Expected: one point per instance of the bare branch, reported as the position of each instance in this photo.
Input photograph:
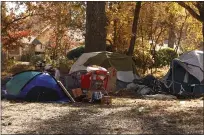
(190, 10)
(109, 42)
(18, 19)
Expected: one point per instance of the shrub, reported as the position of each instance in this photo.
(164, 57)
(19, 68)
(48, 59)
(35, 59)
(7, 64)
(26, 57)
(143, 61)
(65, 65)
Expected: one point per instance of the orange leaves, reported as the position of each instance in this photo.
(14, 37)
(19, 34)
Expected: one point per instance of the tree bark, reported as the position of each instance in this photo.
(180, 34)
(172, 37)
(201, 11)
(203, 35)
(115, 35)
(96, 22)
(134, 28)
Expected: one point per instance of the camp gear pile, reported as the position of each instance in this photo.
(94, 75)
(184, 78)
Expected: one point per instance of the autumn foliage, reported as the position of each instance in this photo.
(179, 23)
(12, 40)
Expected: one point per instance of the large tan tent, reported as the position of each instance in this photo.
(126, 69)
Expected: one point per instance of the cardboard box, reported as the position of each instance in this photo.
(106, 100)
(111, 86)
(77, 92)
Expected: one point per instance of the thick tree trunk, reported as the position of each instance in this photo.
(134, 28)
(95, 39)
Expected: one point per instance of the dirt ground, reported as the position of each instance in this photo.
(124, 116)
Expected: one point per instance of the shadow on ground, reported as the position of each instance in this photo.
(97, 119)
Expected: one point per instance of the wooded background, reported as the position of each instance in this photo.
(132, 28)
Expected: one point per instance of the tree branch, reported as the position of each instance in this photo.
(190, 10)
(18, 19)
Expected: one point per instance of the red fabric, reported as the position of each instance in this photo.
(86, 79)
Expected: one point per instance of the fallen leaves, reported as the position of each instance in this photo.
(124, 116)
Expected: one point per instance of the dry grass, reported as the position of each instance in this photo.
(124, 116)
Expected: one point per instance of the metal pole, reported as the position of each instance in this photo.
(66, 91)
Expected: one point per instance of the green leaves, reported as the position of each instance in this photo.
(164, 57)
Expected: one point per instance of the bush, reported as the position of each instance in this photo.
(7, 64)
(164, 57)
(143, 61)
(35, 59)
(19, 68)
(48, 59)
(65, 65)
(26, 57)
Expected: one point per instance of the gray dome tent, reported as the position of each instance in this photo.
(186, 74)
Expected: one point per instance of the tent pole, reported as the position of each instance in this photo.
(65, 90)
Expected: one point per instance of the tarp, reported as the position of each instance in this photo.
(126, 69)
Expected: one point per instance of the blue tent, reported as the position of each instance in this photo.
(35, 86)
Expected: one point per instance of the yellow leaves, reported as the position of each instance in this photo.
(175, 9)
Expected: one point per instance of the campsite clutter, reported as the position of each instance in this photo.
(95, 76)
(184, 78)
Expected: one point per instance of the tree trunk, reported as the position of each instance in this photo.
(201, 11)
(115, 35)
(203, 34)
(134, 28)
(172, 37)
(95, 39)
(180, 34)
